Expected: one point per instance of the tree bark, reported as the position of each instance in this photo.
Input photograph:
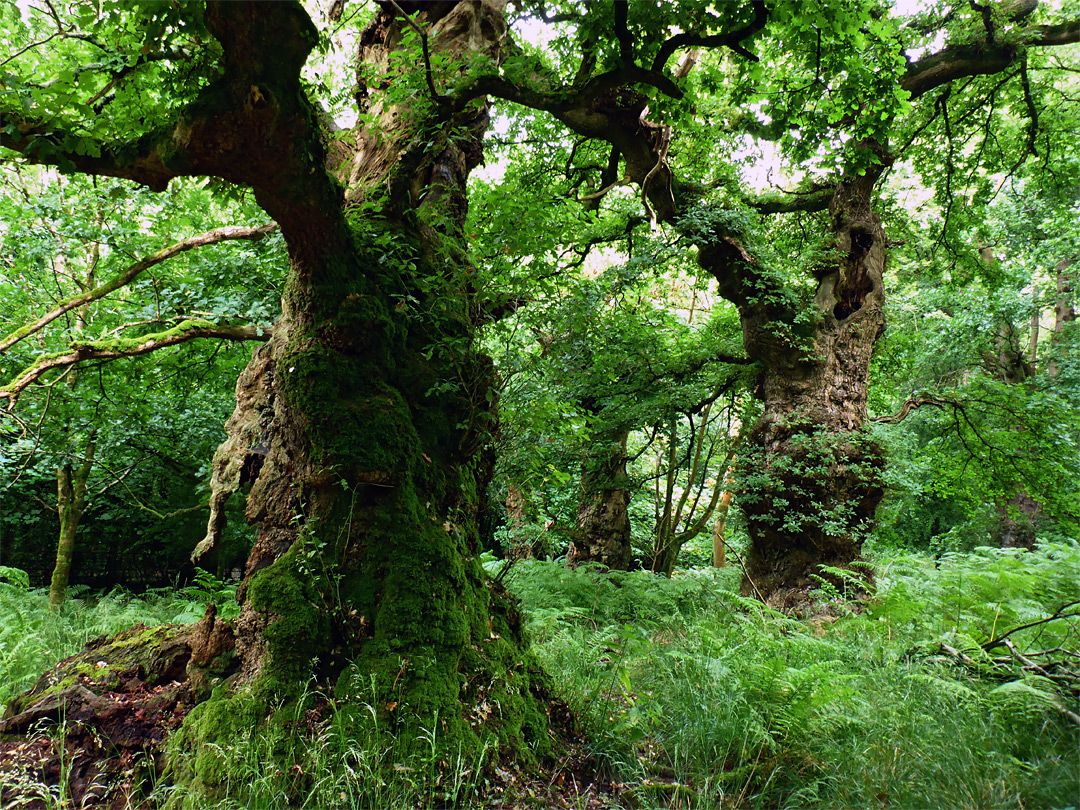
(602, 533)
(719, 534)
(809, 477)
(363, 426)
(516, 513)
(70, 506)
(1064, 311)
(362, 429)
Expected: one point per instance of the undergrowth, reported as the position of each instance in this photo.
(321, 757)
(697, 697)
(33, 637)
(694, 697)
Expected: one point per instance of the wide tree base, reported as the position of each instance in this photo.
(798, 581)
(801, 588)
(114, 727)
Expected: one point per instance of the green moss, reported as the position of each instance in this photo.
(355, 421)
(199, 751)
(383, 589)
(203, 751)
(153, 655)
(298, 629)
(446, 645)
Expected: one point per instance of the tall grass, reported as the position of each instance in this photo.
(33, 637)
(341, 761)
(692, 696)
(699, 698)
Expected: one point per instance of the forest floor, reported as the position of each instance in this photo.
(92, 735)
(93, 732)
(105, 750)
(678, 694)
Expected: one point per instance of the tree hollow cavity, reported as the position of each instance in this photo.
(856, 283)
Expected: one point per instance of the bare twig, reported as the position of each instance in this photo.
(742, 565)
(1058, 614)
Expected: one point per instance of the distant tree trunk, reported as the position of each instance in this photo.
(71, 483)
(809, 476)
(602, 533)
(1008, 363)
(1064, 311)
(1033, 340)
(1018, 521)
(70, 505)
(719, 536)
(517, 509)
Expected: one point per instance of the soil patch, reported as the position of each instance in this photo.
(90, 733)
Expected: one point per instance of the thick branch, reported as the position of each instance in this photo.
(139, 160)
(132, 272)
(981, 58)
(563, 100)
(252, 126)
(106, 350)
(731, 40)
(815, 200)
(913, 403)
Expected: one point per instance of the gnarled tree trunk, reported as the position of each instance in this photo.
(602, 533)
(809, 477)
(362, 426)
(361, 429)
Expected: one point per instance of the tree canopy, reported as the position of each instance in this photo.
(614, 265)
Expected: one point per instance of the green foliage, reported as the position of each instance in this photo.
(321, 754)
(697, 695)
(798, 483)
(106, 71)
(155, 420)
(612, 340)
(33, 637)
(688, 691)
(553, 593)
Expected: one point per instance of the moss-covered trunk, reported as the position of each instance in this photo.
(70, 506)
(602, 532)
(362, 429)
